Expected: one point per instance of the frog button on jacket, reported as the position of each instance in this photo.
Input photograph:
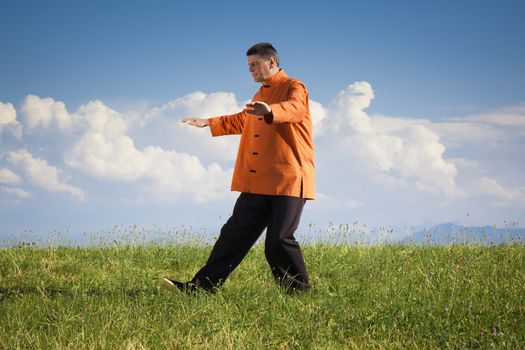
(276, 152)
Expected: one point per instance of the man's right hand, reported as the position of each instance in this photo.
(199, 123)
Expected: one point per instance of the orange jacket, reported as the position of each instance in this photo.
(276, 152)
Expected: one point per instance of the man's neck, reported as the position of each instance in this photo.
(272, 75)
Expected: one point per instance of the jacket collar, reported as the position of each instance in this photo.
(275, 79)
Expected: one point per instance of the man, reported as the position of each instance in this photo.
(274, 172)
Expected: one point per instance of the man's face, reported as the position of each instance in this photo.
(260, 68)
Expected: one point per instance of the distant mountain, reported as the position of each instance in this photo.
(451, 233)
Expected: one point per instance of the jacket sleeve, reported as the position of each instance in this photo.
(293, 110)
(228, 124)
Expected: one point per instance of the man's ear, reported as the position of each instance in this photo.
(273, 63)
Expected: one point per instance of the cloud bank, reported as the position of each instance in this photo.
(361, 158)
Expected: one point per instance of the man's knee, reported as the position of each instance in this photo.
(274, 245)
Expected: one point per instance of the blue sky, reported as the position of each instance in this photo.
(419, 108)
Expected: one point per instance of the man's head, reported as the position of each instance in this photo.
(263, 61)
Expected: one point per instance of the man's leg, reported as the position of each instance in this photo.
(249, 218)
(281, 249)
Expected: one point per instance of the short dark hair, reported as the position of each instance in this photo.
(265, 50)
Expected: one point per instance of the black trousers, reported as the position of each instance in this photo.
(253, 213)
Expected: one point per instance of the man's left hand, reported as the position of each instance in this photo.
(259, 108)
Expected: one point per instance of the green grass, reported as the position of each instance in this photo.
(365, 297)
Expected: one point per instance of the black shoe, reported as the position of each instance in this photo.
(184, 287)
(291, 286)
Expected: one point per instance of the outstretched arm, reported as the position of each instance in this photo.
(224, 125)
(198, 122)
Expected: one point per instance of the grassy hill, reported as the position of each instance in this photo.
(365, 297)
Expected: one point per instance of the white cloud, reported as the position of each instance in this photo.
(173, 174)
(115, 159)
(8, 120)
(348, 106)
(45, 113)
(7, 113)
(409, 155)
(12, 196)
(149, 157)
(8, 177)
(43, 175)
(453, 133)
(106, 152)
(401, 152)
(318, 113)
(423, 158)
(492, 187)
(163, 124)
(198, 104)
(326, 202)
(413, 156)
(510, 116)
(17, 192)
(461, 133)
(497, 125)
(96, 117)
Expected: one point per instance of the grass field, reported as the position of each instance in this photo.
(365, 297)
